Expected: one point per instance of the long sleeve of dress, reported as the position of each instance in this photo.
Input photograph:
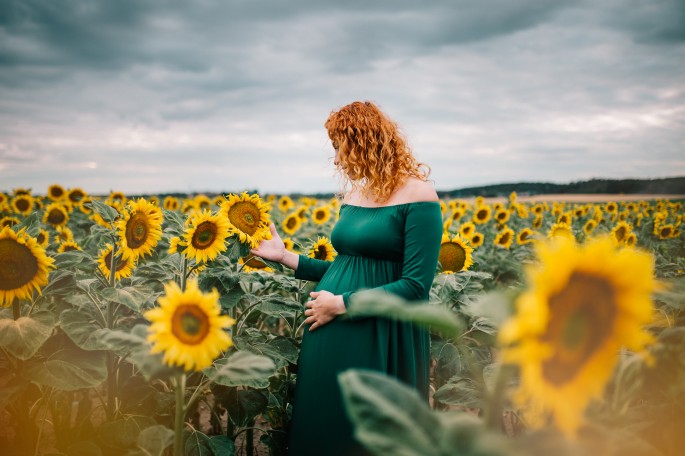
(422, 238)
(311, 268)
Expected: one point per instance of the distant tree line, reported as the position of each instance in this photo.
(670, 185)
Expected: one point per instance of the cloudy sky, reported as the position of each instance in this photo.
(148, 96)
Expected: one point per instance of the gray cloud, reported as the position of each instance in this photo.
(146, 96)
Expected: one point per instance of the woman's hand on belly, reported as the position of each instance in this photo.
(323, 308)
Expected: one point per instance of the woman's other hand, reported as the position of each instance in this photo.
(323, 308)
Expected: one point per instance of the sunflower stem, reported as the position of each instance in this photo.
(184, 266)
(16, 309)
(180, 414)
(111, 361)
(495, 403)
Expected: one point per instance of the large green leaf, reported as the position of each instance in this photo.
(125, 342)
(373, 303)
(389, 417)
(69, 369)
(242, 368)
(74, 258)
(107, 212)
(153, 441)
(280, 349)
(82, 329)
(133, 297)
(123, 433)
(23, 337)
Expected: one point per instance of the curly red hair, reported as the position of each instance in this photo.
(373, 154)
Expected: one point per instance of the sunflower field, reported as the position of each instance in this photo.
(144, 326)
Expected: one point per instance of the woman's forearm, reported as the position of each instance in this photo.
(290, 259)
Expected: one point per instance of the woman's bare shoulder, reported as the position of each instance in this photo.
(415, 190)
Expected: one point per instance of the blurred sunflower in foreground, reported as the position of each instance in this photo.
(188, 328)
(583, 303)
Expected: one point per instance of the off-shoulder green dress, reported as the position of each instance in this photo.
(394, 248)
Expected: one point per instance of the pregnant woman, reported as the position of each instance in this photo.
(387, 238)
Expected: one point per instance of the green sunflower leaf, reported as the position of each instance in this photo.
(24, 337)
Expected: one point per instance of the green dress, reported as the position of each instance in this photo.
(396, 249)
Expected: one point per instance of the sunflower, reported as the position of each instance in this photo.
(611, 207)
(254, 264)
(8, 221)
(56, 215)
(202, 202)
(123, 268)
(582, 304)
(321, 214)
(139, 229)
(467, 229)
(291, 224)
(565, 217)
(285, 203)
(589, 227)
(206, 236)
(504, 238)
(631, 239)
(302, 213)
(524, 236)
(56, 192)
(22, 204)
(560, 229)
(502, 216)
(188, 328)
(538, 209)
(482, 214)
(456, 214)
(76, 195)
(4, 198)
(24, 266)
(171, 203)
(174, 243)
(620, 231)
(289, 244)
(537, 222)
(43, 238)
(218, 200)
(664, 231)
(68, 246)
(21, 191)
(322, 250)
(477, 239)
(455, 254)
(64, 234)
(248, 218)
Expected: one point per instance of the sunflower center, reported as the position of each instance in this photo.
(204, 235)
(581, 319)
(56, 217)
(18, 265)
(452, 256)
(320, 215)
(23, 204)
(321, 252)
(621, 233)
(40, 238)
(466, 230)
(108, 262)
(291, 223)
(137, 230)
(504, 240)
(524, 235)
(481, 214)
(190, 324)
(666, 231)
(245, 216)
